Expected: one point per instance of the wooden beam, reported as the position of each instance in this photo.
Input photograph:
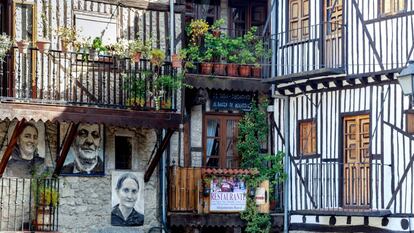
(155, 160)
(18, 129)
(67, 142)
(144, 5)
(377, 78)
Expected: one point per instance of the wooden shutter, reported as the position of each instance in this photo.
(298, 19)
(307, 138)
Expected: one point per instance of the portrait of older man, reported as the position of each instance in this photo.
(86, 151)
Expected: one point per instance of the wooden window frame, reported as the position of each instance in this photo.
(222, 117)
(301, 18)
(409, 118)
(248, 7)
(394, 10)
(313, 153)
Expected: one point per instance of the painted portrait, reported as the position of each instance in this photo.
(127, 198)
(86, 154)
(28, 155)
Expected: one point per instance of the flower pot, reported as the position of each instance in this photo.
(43, 46)
(232, 69)
(23, 45)
(216, 33)
(65, 45)
(136, 57)
(257, 71)
(244, 70)
(220, 69)
(206, 68)
(176, 61)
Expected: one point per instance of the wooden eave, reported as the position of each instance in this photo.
(226, 83)
(144, 5)
(304, 75)
(92, 115)
(345, 212)
(214, 220)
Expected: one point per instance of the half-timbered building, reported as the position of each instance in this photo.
(340, 110)
(58, 105)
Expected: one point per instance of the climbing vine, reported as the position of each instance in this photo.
(253, 131)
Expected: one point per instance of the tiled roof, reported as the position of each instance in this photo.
(228, 172)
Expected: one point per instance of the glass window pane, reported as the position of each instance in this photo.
(213, 128)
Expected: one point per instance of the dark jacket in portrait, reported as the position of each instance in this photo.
(70, 168)
(134, 219)
(18, 167)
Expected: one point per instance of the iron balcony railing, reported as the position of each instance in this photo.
(29, 204)
(315, 48)
(79, 79)
(332, 187)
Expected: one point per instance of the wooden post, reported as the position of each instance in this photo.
(65, 148)
(18, 129)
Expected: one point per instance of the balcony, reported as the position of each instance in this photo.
(80, 83)
(314, 51)
(189, 205)
(332, 188)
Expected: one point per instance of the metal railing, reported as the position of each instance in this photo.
(311, 48)
(80, 79)
(337, 187)
(29, 204)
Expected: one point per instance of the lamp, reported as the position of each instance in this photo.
(406, 80)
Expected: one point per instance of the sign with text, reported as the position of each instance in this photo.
(228, 194)
(231, 101)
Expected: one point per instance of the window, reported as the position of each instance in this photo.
(298, 19)
(220, 137)
(392, 6)
(96, 25)
(307, 137)
(410, 122)
(244, 15)
(123, 152)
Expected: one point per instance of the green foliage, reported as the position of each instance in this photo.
(217, 24)
(256, 222)
(157, 56)
(253, 131)
(216, 47)
(197, 29)
(43, 192)
(139, 45)
(98, 45)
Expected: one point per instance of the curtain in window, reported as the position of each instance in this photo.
(211, 132)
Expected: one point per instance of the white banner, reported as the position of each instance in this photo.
(228, 194)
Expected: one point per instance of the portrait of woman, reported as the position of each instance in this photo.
(25, 158)
(127, 192)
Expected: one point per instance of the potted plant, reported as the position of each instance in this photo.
(5, 45)
(139, 48)
(43, 44)
(23, 45)
(218, 49)
(157, 57)
(215, 28)
(96, 48)
(67, 37)
(46, 202)
(136, 90)
(119, 49)
(163, 84)
(196, 30)
(190, 55)
(233, 46)
(246, 58)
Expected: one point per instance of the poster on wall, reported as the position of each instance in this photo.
(127, 198)
(86, 155)
(228, 194)
(29, 155)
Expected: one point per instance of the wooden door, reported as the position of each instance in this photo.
(333, 33)
(356, 176)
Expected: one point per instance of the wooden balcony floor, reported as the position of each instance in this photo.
(116, 117)
(305, 74)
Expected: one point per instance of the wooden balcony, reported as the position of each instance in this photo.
(313, 51)
(76, 83)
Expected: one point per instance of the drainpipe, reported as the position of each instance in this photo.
(287, 164)
(172, 28)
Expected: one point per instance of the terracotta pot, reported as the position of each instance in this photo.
(232, 70)
(65, 45)
(244, 70)
(176, 61)
(43, 45)
(257, 71)
(206, 68)
(216, 33)
(136, 57)
(23, 45)
(220, 69)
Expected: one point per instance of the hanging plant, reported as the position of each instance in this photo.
(5, 45)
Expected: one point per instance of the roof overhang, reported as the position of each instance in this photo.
(226, 83)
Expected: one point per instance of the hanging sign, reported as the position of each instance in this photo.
(228, 194)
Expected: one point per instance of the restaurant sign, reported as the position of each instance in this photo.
(228, 194)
